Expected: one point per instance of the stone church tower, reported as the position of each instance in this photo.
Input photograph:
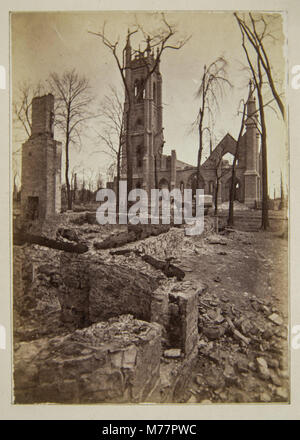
(153, 169)
(252, 172)
(146, 132)
(41, 164)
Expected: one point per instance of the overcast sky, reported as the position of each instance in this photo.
(55, 42)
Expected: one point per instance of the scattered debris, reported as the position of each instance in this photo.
(276, 319)
(172, 353)
(236, 333)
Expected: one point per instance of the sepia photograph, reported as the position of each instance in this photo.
(150, 199)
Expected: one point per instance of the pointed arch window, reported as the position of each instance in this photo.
(136, 88)
(154, 94)
(139, 90)
(139, 156)
(139, 123)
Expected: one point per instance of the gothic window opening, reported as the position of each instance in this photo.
(136, 88)
(139, 156)
(154, 93)
(139, 90)
(52, 124)
(227, 159)
(139, 123)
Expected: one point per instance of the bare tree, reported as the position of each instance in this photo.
(257, 30)
(91, 183)
(99, 180)
(110, 172)
(160, 40)
(255, 66)
(211, 89)
(72, 109)
(22, 102)
(112, 136)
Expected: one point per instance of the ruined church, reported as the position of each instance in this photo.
(152, 168)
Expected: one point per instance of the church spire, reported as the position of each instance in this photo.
(128, 49)
(251, 105)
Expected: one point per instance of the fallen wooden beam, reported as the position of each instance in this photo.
(236, 333)
(165, 266)
(20, 238)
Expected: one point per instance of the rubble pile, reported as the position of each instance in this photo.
(233, 350)
(241, 351)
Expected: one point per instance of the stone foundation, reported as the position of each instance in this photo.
(114, 361)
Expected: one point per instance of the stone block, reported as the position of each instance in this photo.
(183, 319)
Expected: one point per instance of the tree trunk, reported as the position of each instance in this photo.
(128, 149)
(199, 153)
(230, 221)
(118, 177)
(75, 188)
(216, 196)
(69, 193)
(265, 211)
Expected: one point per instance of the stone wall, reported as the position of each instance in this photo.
(93, 291)
(114, 361)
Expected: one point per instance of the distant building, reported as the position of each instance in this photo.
(41, 164)
(152, 168)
